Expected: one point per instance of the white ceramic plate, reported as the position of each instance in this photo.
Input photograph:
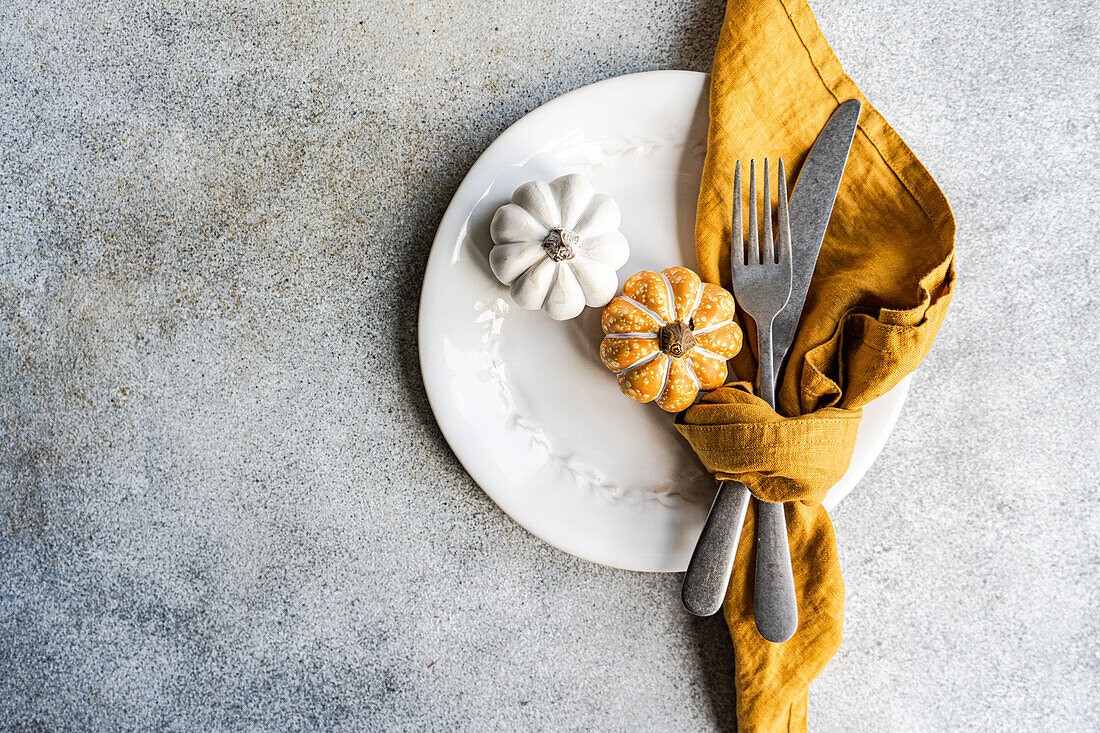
(524, 400)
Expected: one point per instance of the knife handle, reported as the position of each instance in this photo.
(775, 604)
(708, 573)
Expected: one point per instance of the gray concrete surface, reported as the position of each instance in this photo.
(226, 504)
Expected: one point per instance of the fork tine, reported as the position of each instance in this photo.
(753, 243)
(767, 244)
(784, 217)
(737, 235)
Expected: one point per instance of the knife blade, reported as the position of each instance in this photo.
(810, 210)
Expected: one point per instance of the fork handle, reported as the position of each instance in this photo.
(775, 602)
(766, 374)
(766, 371)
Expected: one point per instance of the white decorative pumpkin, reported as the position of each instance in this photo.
(558, 246)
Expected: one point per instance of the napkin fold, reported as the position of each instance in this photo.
(878, 297)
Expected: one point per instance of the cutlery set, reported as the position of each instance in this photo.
(770, 282)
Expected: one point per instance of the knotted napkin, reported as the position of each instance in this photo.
(878, 296)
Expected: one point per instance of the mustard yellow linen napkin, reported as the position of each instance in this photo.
(879, 294)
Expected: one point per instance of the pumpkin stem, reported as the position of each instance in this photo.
(676, 339)
(559, 244)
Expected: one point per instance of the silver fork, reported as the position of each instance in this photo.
(762, 285)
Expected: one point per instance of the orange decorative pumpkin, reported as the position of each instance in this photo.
(668, 336)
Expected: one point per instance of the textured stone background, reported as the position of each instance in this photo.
(225, 502)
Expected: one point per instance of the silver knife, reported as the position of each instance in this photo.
(811, 207)
(708, 572)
